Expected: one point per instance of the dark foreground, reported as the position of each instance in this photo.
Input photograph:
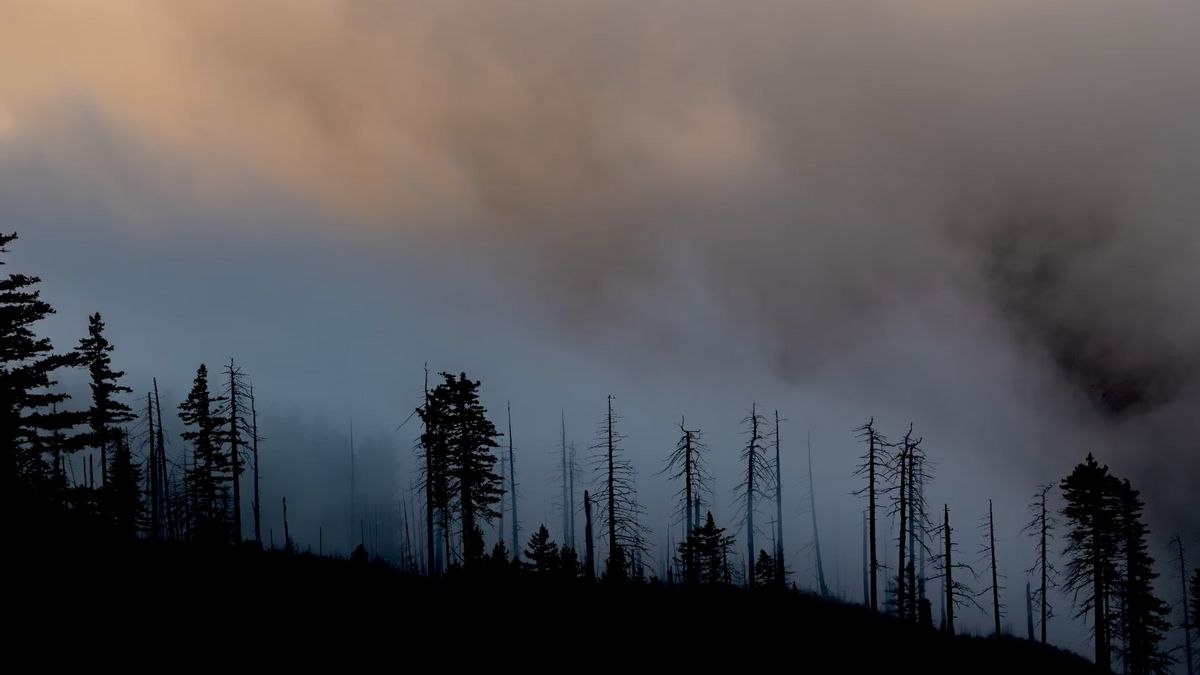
(167, 603)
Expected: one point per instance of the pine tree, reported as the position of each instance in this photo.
(208, 477)
(235, 412)
(123, 494)
(1145, 615)
(709, 547)
(766, 570)
(106, 414)
(435, 454)
(28, 404)
(1092, 546)
(541, 553)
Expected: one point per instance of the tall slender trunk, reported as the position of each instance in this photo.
(1045, 602)
(512, 482)
(914, 601)
(812, 507)
(587, 533)
(257, 494)
(995, 575)
(1187, 618)
(779, 563)
(900, 587)
(949, 576)
(750, 496)
(353, 496)
(1103, 660)
(689, 477)
(162, 467)
(234, 454)
(566, 507)
(1029, 611)
(612, 495)
(871, 514)
(571, 498)
(152, 471)
(866, 565)
(287, 536)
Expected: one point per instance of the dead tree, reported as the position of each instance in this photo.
(164, 483)
(1041, 527)
(872, 463)
(512, 491)
(755, 479)
(989, 550)
(618, 493)
(587, 533)
(254, 439)
(956, 593)
(235, 414)
(780, 575)
(1187, 624)
(686, 463)
(1029, 612)
(566, 506)
(812, 507)
(900, 472)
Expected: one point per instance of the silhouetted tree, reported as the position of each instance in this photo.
(1195, 599)
(956, 593)
(755, 477)
(123, 494)
(1187, 623)
(618, 494)
(208, 477)
(812, 507)
(872, 463)
(434, 450)
(28, 412)
(901, 472)
(541, 553)
(709, 547)
(512, 483)
(254, 439)
(766, 570)
(106, 414)
(590, 563)
(989, 550)
(686, 463)
(236, 415)
(1091, 509)
(1145, 615)
(1041, 526)
(780, 568)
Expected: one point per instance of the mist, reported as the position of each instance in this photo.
(975, 217)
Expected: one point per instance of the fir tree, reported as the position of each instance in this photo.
(765, 569)
(541, 553)
(106, 414)
(1092, 547)
(1145, 615)
(709, 547)
(208, 476)
(123, 495)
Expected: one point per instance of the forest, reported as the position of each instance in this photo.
(95, 493)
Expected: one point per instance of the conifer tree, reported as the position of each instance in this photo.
(209, 473)
(123, 495)
(756, 476)
(1145, 615)
(1089, 493)
(766, 570)
(541, 553)
(435, 452)
(1041, 527)
(106, 414)
(686, 463)
(28, 402)
(620, 516)
(709, 547)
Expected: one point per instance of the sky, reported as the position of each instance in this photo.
(978, 217)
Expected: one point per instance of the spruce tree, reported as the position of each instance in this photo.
(1089, 493)
(208, 476)
(765, 569)
(1145, 615)
(123, 496)
(106, 414)
(709, 547)
(541, 553)
(28, 412)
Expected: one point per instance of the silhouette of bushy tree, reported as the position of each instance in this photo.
(541, 554)
(709, 547)
(123, 494)
(106, 414)
(208, 476)
(1144, 615)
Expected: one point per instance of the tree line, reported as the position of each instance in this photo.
(468, 481)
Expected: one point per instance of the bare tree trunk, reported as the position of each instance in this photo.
(152, 471)
(587, 533)
(287, 537)
(871, 513)
(866, 565)
(254, 440)
(234, 454)
(900, 589)
(750, 497)
(779, 564)
(1187, 623)
(566, 507)
(353, 496)
(995, 576)
(1029, 610)
(812, 507)
(612, 495)
(162, 467)
(512, 481)
(949, 607)
(571, 498)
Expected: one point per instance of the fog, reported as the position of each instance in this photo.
(977, 217)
